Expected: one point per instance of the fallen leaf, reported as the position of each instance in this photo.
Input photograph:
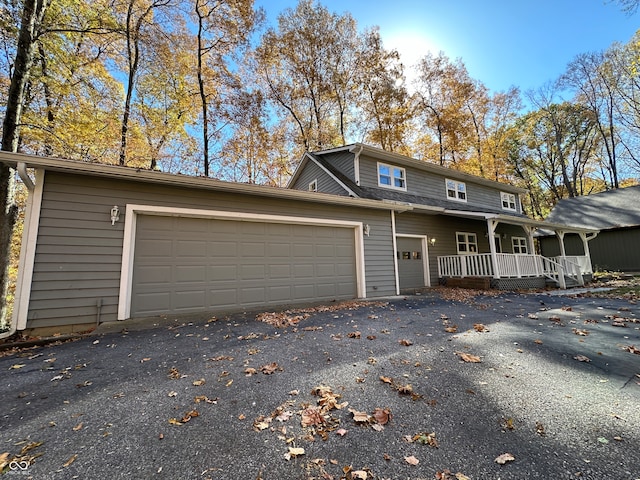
(632, 349)
(355, 334)
(204, 398)
(411, 460)
(451, 329)
(467, 357)
(504, 458)
(199, 383)
(386, 379)
(479, 327)
(294, 452)
(312, 416)
(540, 428)
(582, 358)
(580, 332)
(250, 371)
(538, 341)
(70, 461)
(284, 416)
(342, 432)
(172, 394)
(17, 366)
(359, 474)
(426, 439)
(359, 417)
(405, 343)
(270, 368)
(382, 415)
(77, 427)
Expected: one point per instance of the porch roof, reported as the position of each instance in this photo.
(520, 220)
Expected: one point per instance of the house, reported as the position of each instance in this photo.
(616, 213)
(103, 243)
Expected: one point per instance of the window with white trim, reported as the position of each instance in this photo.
(313, 186)
(467, 243)
(456, 190)
(508, 201)
(519, 245)
(391, 177)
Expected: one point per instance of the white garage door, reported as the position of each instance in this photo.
(184, 265)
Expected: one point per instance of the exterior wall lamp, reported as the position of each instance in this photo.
(432, 241)
(115, 214)
(367, 229)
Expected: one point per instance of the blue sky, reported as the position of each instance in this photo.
(503, 43)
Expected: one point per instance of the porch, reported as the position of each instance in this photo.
(563, 270)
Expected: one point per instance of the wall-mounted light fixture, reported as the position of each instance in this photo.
(367, 229)
(115, 214)
(432, 241)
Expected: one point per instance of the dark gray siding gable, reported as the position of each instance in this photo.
(342, 161)
(428, 184)
(326, 184)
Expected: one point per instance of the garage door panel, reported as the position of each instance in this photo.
(223, 249)
(154, 274)
(279, 271)
(189, 300)
(279, 250)
(223, 272)
(223, 297)
(252, 249)
(154, 301)
(190, 273)
(198, 264)
(252, 272)
(191, 248)
(325, 270)
(279, 293)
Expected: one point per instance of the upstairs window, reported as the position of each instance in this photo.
(508, 201)
(391, 177)
(456, 190)
(313, 186)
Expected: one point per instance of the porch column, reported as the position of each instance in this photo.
(529, 231)
(560, 235)
(491, 230)
(585, 246)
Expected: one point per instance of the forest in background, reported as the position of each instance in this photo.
(205, 87)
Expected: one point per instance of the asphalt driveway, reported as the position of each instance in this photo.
(420, 387)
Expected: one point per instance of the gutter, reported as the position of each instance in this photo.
(21, 168)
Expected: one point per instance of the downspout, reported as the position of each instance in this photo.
(356, 163)
(21, 168)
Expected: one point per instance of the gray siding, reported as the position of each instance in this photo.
(326, 184)
(443, 229)
(343, 161)
(611, 250)
(432, 185)
(79, 253)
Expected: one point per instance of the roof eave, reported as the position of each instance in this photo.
(186, 181)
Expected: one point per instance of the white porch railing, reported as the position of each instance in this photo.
(512, 266)
(581, 260)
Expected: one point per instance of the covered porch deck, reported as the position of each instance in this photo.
(563, 270)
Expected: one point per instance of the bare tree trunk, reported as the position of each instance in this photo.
(32, 15)
(201, 90)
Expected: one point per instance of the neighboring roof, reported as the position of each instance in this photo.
(619, 208)
(154, 177)
(403, 160)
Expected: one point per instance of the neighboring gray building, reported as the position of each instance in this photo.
(103, 243)
(616, 213)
